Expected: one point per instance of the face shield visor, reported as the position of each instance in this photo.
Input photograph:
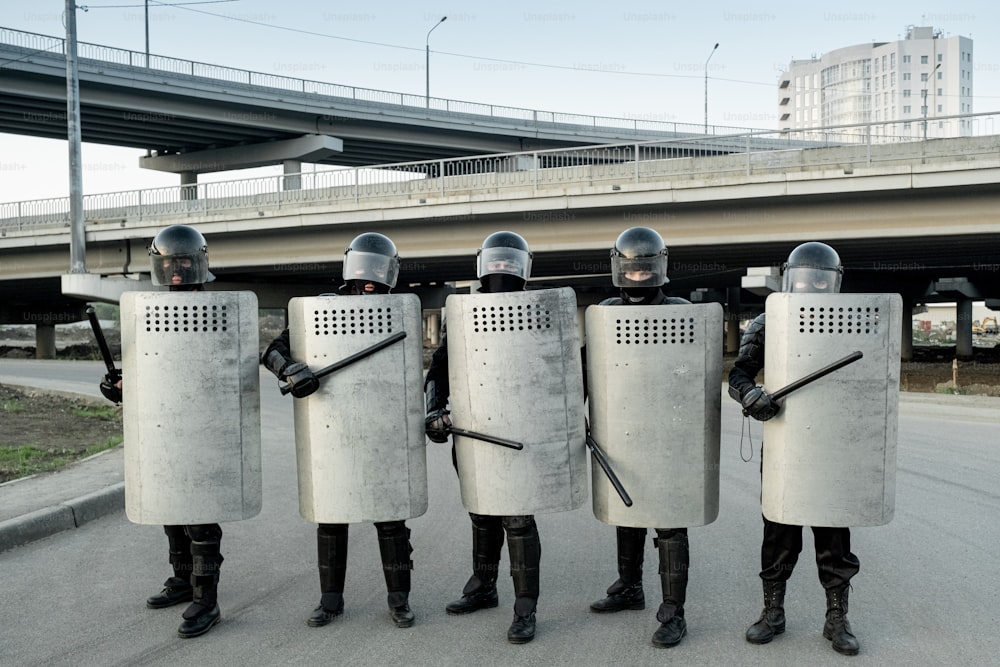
(503, 260)
(180, 269)
(811, 280)
(371, 267)
(638, 272)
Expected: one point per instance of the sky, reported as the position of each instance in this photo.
(627, 59)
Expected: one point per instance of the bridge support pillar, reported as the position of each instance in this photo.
(45, 341)
(432, 328)
(293, 174)
(906, 347)
(190, 179)
(963, 329)
(732, 340)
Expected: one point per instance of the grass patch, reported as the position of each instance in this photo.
(106, 413)
(12, 405)
(25, 460)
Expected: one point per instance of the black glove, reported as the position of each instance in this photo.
(302, 380)
(436, 426)
(109, 386)
(758, 404)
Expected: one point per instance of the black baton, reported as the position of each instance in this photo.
(109, 361)
(354, 358)
(815, 375)
(503, 442)
(602, 461)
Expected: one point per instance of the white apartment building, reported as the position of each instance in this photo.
(900, 87)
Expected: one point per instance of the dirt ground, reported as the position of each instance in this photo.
(49, 423)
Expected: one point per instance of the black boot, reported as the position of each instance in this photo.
(177, 588)
(837, 628)
(331, 551)
(674, 561)
(772, 619)
(626, 592)
(394, 547)
(525, 552)
(480, 591)
(203, 613)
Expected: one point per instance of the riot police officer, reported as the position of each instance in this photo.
(179, 256)
(812, 267)
(371, 266)
(639, 269)
(503, 264)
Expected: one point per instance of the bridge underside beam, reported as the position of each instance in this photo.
(307, 148)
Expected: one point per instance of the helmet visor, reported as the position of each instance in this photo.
(811, 279)
(180, 269)
(639, 271)
(504, 260)
(371, 267)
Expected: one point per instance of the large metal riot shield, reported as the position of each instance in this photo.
(359, 439)
(515, 372)
(654, 375)
(191, 400)
(830, 454)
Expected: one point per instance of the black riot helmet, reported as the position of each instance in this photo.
(179, 256)
(503, 263)
(639, 264)
(812, 267)
(371, 258)
(639, 259)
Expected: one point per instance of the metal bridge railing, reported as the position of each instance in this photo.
(549, 171)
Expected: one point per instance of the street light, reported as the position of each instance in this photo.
(427, 64)
(923, 94)
(706, 84)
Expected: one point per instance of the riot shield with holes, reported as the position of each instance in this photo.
(515, 372)
(830, 454)
(191, 404)
(359, 440)
(654, 375)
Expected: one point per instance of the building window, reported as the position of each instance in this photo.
(906, 92)
(906, 109)
(940, 57)
(940, 108)
(940, 75)
(892, 60)
(923, 60)
(940, 91)
(906, 76)
(906, 60)
(923, 77)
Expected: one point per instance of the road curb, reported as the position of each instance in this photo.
(72, 513)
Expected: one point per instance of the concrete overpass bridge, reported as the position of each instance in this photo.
(919, 218)
(194, 117)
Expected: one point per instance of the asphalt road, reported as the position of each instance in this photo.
(926, 593)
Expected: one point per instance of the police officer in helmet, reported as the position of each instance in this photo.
(371, 266)
(503, 264)
(179, 260)
(812, 267)
(639, 269)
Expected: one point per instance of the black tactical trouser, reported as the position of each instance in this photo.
(184, 540)
(394, 549)
(782, 544)
(672, 548)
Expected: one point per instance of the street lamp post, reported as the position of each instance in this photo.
(706, 84)
(427, 63)
(923, 94)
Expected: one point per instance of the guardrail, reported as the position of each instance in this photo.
(37, 45)
(627, 163)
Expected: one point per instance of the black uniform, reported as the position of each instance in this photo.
(672, 543)
(782, 543)
(523, 543)
(332, 540)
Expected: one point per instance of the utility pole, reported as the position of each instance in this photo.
(77, 237)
